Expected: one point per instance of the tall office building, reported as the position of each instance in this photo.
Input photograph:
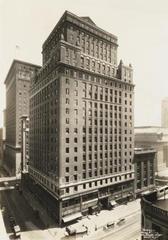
(164, 114)
(17, 104)
(81, 121)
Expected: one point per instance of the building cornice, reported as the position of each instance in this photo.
(14, 62)
(72, 18)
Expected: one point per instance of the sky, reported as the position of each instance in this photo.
(140, 25)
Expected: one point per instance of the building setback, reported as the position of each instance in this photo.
(17, 104)
(81, 120)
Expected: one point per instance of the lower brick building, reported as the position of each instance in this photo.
(144, 160)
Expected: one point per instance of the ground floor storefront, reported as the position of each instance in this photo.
(67, 210)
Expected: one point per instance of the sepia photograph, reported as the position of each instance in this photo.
(83, 120)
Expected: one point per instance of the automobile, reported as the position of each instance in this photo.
(16, 231)
(74, 230)
(109, 225)
(120, 221)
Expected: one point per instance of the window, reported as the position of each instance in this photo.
(75, 140)
(76, 83)
(67, 110)
(75, 130)
(67, 81)
(75, 149)
(67, 159)
(76, 93)
(67, 100)
(66, 179)
(67, 169)
(67, 120)
(67, 91)
(75, 158)
(67, 140)
(67, 150)
(75, 168)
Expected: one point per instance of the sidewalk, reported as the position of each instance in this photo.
(95, 223)
(3, 234)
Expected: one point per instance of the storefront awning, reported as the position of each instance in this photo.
(94, 207)
(71, 217)
(113, 203)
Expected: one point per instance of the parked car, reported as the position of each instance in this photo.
(110, 224)
(16, 231)
(120, 221)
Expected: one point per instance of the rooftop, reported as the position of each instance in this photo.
(68, 16)
(144, 150)
(162, 203)
(15, 61)
(151, 130)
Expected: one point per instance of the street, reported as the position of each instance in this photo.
(14, 204)
(129, 230)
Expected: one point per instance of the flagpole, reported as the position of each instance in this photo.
(17, 48)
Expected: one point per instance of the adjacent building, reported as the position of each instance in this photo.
(81, 121)
(1, 146)
(154, 212)
(3, 137)
(157, 138)
(17, 104)
(144, 160)
(164, 113)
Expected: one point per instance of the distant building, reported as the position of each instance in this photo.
(81, 121)
(1, 146)
(157, 138)
(154, 212)
(144, 160)
(3, 137)
(17, 104)
(164, 113)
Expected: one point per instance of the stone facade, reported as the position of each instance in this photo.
(17, 104)
(81, 118)
(144, 160)
(157, 138)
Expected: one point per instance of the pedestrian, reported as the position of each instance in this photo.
(86, 230)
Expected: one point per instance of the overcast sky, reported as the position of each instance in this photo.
(141, 27)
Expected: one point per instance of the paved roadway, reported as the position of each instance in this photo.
(130, 230)
(15, 205)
